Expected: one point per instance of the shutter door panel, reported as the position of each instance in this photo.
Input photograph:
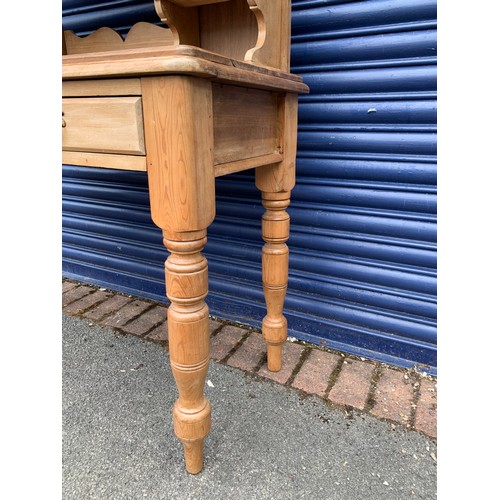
(367, 169)
(363, 233)
(108, 236)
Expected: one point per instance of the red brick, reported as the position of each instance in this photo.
(249, 354)
(315, 373)
(126, 313)
(393, 396)
(68, 285)
(79, 306)
(75, 293)
(224, 341)
(426, 415)
(159, 334)
(146, 321)
(107, 307)
(290, 358)
(213, 325)
(353, 384)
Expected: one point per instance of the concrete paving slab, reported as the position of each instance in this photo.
(267, 440)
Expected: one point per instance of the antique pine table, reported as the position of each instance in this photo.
(207, 96)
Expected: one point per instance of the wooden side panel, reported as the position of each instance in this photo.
(184, 22)
(273, 46)
(228, 28)
(103, 125)
(245, 123)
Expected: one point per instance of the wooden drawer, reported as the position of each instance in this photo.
(103, 125)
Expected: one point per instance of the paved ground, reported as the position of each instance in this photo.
(404, 397)
(269, 440)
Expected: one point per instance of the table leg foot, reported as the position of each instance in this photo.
(274, 353)
(191, 429)
(193, 453)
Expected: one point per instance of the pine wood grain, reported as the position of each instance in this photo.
(101, 88)
(186, 272)
(245, 123)
(177, 60)
(274, 26)
(246, 164)
(275, 232)
(120, 162)
(103, 125)
(229, 29)
(257, 31)
(281, 176)
(106, 39)
(178, 120)
(209, 96)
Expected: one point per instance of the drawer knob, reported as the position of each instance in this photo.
(63, 121)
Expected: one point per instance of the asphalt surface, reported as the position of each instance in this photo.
(267, 441)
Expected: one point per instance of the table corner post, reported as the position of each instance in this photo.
(276, 182)
(179, 144)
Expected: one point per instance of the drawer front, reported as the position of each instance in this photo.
(103, 125)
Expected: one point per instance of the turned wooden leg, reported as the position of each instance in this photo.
(186, 273)
(178, 127)
(275, 183)
(275, 232)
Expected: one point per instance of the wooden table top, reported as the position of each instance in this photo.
(180, 59)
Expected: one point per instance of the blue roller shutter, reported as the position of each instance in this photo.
(363, 236)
